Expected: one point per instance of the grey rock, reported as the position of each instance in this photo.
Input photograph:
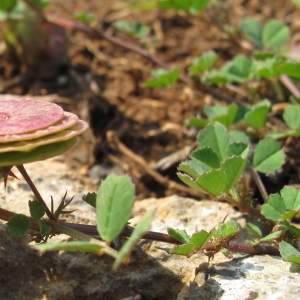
(152, 272)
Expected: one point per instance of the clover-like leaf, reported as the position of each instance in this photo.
(282, 207)
(90, 198)
(291, 116)
(188, 180)
(113, 206)
(18, 225)
(275, 34)
(289, 253)
(37, 210)
(207, 156)
(252, 28)
(163, 78)
(179, 235)
(216, 137)
(257, 116)
(200, 238)
(233, 167)
(226, 230)
(212, 182)
(203, 63)
(268, 156)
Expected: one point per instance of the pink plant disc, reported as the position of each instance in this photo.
(23, 116)
(68, 121)
(80, 127)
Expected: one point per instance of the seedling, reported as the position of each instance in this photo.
(163, 78)
(191, 6)
(272, 36)
(217, 165)
(135, 29)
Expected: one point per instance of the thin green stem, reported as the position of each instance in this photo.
(35, 191)
(83, 237)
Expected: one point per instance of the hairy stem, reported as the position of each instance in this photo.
(86, 232)
(35, 191)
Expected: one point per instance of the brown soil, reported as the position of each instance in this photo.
(103, 82)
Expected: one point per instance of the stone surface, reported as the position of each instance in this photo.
(152, 273)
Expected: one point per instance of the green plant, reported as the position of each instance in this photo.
(191, 6)
(216, 166)
(163, 78)
(135, 29)
(272, 36)
(33, 130)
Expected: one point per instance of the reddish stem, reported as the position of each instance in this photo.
(35, 191)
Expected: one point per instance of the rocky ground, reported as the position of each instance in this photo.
(152, 272)
(103, 83)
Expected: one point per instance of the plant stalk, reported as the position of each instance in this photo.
(35, 191)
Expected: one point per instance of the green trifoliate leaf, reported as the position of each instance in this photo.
(257, 116)
(216, 137)
(238, 148)
(191, 182)
(37, 210)
(282, 207)
(197, 122)
(200, 238)
(90, 198)
(268, 156)
(239, 69)
(233, 167)
(203, 63)
(113, 206)
(184, 249)
(226, 230)
(274, 208)
(291, 197)
(222, 114)
(18, 225)
(289, 253)
(212, 182)
(252, 28)
(179, 235)
(292, 69)
(275, 34)
(291, 116)
(207, 156)
(163, 78)
(187, 168)
(238, 136)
